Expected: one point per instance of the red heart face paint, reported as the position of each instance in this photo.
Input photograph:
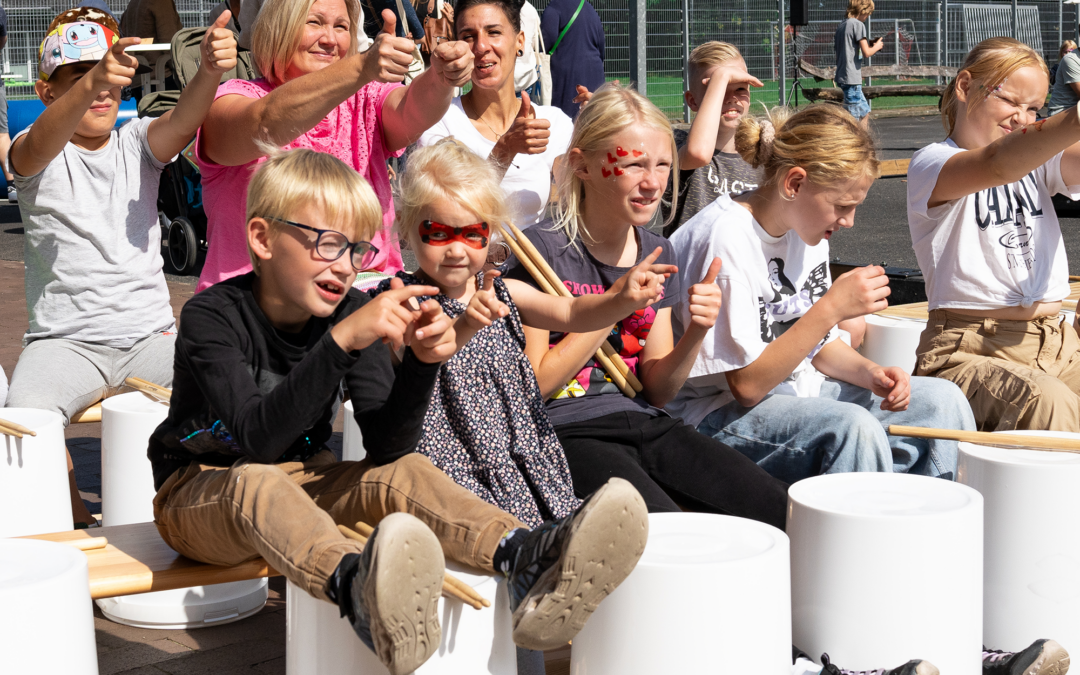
(605, 172)
(437, 234)
(637, 153)
(610, 159)
(620, 152)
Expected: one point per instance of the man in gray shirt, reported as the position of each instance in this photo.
(851, 45)
(1066, 91)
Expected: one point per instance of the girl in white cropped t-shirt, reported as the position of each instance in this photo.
(988, 242)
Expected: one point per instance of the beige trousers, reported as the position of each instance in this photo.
(1015, 374)
(288, 513)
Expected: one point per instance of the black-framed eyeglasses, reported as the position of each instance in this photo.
(331, 245)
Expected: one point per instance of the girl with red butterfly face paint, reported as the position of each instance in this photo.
(449, 201)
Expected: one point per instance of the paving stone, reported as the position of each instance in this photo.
(236, 657)
(139, 654)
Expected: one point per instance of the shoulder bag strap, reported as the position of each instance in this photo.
(563, 33)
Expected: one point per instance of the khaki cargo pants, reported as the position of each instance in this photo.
(288, 513)
(1015, 374)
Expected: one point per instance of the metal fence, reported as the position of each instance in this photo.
(916, 32)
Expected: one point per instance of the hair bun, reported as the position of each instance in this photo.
(765, 142)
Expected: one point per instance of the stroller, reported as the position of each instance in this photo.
(180, 206)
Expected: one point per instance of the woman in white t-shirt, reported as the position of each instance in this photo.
(988, 242)
(523, 140)
(773, 378)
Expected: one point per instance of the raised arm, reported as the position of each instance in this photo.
(411, 111)
(1009, 159)
(236, 124)
(869, 50)
(170, 133)
(701, 141)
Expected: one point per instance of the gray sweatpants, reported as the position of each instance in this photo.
(66, 376)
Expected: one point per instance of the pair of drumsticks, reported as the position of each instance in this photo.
(452, 586)
(550, 283)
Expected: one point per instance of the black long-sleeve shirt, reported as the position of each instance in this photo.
(242, 388)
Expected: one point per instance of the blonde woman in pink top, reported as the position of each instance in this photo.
(317, 92)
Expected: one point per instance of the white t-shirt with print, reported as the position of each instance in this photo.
(768, 284)
(528, 179)
(999, 247)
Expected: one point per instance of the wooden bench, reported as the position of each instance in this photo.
(920, 310)
(137, 560)
(835, 94)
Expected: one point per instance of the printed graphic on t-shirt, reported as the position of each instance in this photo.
(1006, 214)
(627, 337)
(722, 185)
(787, 305)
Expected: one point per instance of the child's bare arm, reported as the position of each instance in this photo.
(171, 132)
(1009, 159)
(869, 50)
(554, 366)
(637, 289)
(31, 153)
(701, 142)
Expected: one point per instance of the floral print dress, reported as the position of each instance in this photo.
(486, 426)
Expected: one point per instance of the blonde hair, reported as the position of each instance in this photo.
(857, 8)
(275, 36)
(1065, 48)
(293, 179)
(449, 170)
(989, 64)
(710, 54)
(823, 139)
(612, 109)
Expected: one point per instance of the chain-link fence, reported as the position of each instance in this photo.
(916, 32)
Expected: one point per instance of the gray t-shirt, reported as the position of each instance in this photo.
(93, 244)
(726, 174)
(848, 52)
(1062, 96)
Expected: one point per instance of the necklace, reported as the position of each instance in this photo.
(498, 136)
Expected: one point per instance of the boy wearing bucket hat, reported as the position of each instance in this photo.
(98, 304)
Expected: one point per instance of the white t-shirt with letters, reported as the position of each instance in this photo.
(768, 284)
(999, 247)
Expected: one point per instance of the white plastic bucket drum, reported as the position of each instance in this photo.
(34, 493)
(352, 440)
(1032, 542)
(710, 594)
(320, 642)
(891, 341)
(46, 619)
(886, 568)
(127, 494)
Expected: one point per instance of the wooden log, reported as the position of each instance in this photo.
(880, 71)
(836, 95)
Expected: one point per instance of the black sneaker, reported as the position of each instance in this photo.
(564, 568)
(391, 592)
(1043, 657)
(916, 667)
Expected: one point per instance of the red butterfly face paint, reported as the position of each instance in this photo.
(437, 234)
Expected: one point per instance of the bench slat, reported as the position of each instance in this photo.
(137, 560)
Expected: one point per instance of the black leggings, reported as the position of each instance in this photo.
(662, 456)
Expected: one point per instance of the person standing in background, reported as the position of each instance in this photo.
(151, 18)
(525, 75)
(852, 46)
(1066, 80)
(574, 36)
(5, 138)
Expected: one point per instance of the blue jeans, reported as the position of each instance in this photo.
(843, 430)
(854, 101)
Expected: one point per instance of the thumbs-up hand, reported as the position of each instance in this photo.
(117, 67)
(643, 285)
(452, 61)
(389, 57)
(485, 307)
(218, 48)
(706, 298)
(527, 135)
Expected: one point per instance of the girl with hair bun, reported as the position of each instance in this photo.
(775, 379)
(989, 244)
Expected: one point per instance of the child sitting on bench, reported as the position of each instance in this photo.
(242, 468)
(98, 304)
(486, 426)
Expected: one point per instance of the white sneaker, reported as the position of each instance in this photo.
(12, 195)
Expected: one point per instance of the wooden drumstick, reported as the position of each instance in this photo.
(17, 430)
(149, 388)
(92, 544)
(452, 587)
(1019, 441)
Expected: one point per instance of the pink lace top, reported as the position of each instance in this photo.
(352, 132)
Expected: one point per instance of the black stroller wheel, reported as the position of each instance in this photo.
(183, 246)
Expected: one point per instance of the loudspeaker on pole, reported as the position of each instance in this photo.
(799, 14)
